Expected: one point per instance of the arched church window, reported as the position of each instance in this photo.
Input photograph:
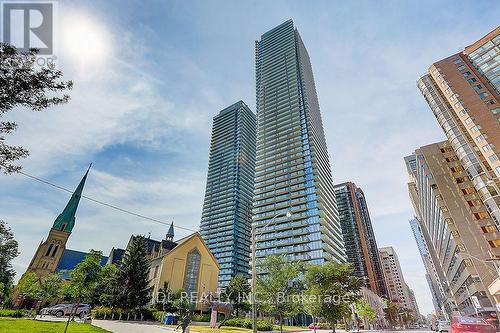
(49, 250)
(192, 272)
(55, 251)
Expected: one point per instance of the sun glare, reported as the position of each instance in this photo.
(85, 42)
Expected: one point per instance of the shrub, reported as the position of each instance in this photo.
(158, 315)
(105, 312)
(13, 313)
(199, 317)
(262, 325)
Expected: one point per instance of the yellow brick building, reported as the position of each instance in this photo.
(189, 265)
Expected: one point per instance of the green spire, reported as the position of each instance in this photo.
(66, 220)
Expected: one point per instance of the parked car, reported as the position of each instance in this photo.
(443, 326)
(60, 310)
(462, 324)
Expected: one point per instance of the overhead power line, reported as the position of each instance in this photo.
(46, 182)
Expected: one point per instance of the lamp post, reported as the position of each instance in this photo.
(254, 270)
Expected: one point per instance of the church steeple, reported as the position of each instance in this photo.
(66, 220)
(170, 233)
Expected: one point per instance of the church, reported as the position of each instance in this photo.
(52, 256)
(186, 263)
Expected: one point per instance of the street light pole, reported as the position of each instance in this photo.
(254, 269)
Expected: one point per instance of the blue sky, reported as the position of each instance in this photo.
(149, 77)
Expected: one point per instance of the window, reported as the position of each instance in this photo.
(480, 138)
(493, 158)
(457, 61)
(483, 94)
(475, 128)
(461, 68)
(472, 80)
(494, 243)
(55, 251)
(498, 169)
(468, 190)
(464, 112)
(49, 250)
(486, 148)
(192, 272)
(477, 87)
(468, 121)
(489, 228)
(481, 215)
(495, 111)
(490, 102)
(467, 74)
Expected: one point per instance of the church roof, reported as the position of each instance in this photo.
(66, 220)
(70, 259)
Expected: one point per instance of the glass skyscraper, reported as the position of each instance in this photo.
(359, 238)
(292, 172)
(226, 218)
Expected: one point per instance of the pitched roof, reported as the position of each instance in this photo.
(70, 259)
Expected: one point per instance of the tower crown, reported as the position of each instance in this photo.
(66, 220)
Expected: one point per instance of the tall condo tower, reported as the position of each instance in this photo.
(359, 238)
(227, 209)
(292, 171)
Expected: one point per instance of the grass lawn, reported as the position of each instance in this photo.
(227, 329)
(223, 329)
(10, 325)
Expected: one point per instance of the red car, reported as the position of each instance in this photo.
(463, 324)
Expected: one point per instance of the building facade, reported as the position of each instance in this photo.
(462, 90)
(188, 265)
(452, 220)
(396, 285)
(227, 209)
(359, 238)
(434, 280)
(292, 173)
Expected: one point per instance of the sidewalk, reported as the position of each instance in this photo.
(116, 326)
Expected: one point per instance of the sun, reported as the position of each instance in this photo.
(84, 41)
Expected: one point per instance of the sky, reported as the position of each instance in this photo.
(150, 76)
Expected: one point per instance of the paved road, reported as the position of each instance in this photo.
(140, 327)
(131, 327)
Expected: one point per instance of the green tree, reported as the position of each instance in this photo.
(85, 277)
(105, 291)
(392, 313)
(50, 288)
(133, 275)
(28, 286)
(23, 83)
(237, 292)
(278, 289)
(331, 290)
(365, 310)
(8, 251)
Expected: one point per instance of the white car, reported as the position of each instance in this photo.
(443, 326)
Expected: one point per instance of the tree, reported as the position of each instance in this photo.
(365, 310)
(28, 285)
(331, 290)
(85, 277)
(278, 289)
(105, 290)
(23, 83)
(133, 275)
(8, 251)
(236, 291)
(50, 288)
(392, 313)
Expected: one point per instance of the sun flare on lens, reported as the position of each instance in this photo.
(85, 42)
